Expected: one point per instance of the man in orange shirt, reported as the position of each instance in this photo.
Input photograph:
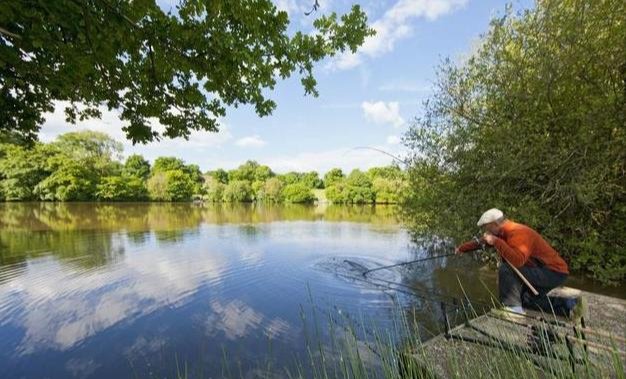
(525, 249)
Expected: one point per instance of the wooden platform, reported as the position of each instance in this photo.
(486, 346)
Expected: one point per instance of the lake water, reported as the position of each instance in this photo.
(152, 290)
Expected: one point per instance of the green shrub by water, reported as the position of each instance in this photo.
(532, 122)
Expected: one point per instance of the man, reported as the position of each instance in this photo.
(525, 249)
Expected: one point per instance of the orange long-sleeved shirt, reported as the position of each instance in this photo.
(518, 243)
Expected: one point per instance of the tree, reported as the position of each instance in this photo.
(21, 169)
(88, 144)
(171, 185)
(530, 123)
(257, 189)
(333, 176)
(181, 67)
(193, 170)
(137, 166)
(262, 173)
(238, 191)
(358, 178)
(272, 191)
(121, 188)
(359, 195)
(298, 193)
(388, 172)
(213, 190)
(356, 188)
(70, 181)
(335, 193)
(94, 149)
(220, 175)
(388, 191)
(312, 180)
(250, 171)
(291, 177)
(162, 164)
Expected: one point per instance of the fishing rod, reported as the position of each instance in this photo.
(394, 157)
(407, 263)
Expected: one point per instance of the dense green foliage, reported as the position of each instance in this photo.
(533, 122)
(170, 185)
(238, 191)
(182, 67)
(298, 193)
(21, 170)
(272, 191)
(86, 165)
(128, 187)
(137, 166)
(379, 185)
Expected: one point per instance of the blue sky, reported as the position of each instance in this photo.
(366, 99)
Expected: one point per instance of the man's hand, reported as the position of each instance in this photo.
(457, 251)
(489, 238)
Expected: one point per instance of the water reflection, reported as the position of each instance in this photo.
(107, 290)
(175, 216)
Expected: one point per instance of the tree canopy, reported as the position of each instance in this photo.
(533, 122)
(181, 66)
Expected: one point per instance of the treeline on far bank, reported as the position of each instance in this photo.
(87, 165)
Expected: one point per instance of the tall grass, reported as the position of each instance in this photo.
(345, 346)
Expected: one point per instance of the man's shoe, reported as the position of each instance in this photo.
(576, 309)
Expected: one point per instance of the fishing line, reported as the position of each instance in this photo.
(408, 263)
(405, 162)
(415, 292)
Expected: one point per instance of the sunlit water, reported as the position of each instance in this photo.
(152, 290)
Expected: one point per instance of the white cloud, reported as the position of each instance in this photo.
(111, 124)
(380, 112)
(288, 6)
(394, 25)
(250, 141)
(393, 140)
(80, 306)
(344, 61)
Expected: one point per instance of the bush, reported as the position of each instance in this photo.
(388, 191)
(172, 185)
(332, 177)
(21, 169)
(238, 191)
(121, 188)
(137, 166)
(213, 190)
(70, 182)
(298, 193)
(272, 191)
(335, 193)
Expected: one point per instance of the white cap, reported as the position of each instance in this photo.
(491, 215)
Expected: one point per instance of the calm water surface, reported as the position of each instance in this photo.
(149, 290)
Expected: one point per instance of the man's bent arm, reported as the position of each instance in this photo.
(468, 246)
(517, 255)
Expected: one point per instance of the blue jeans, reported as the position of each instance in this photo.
(513, 292)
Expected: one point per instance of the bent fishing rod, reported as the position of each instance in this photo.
(513, 268)
(394, 157)
(407, 263)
